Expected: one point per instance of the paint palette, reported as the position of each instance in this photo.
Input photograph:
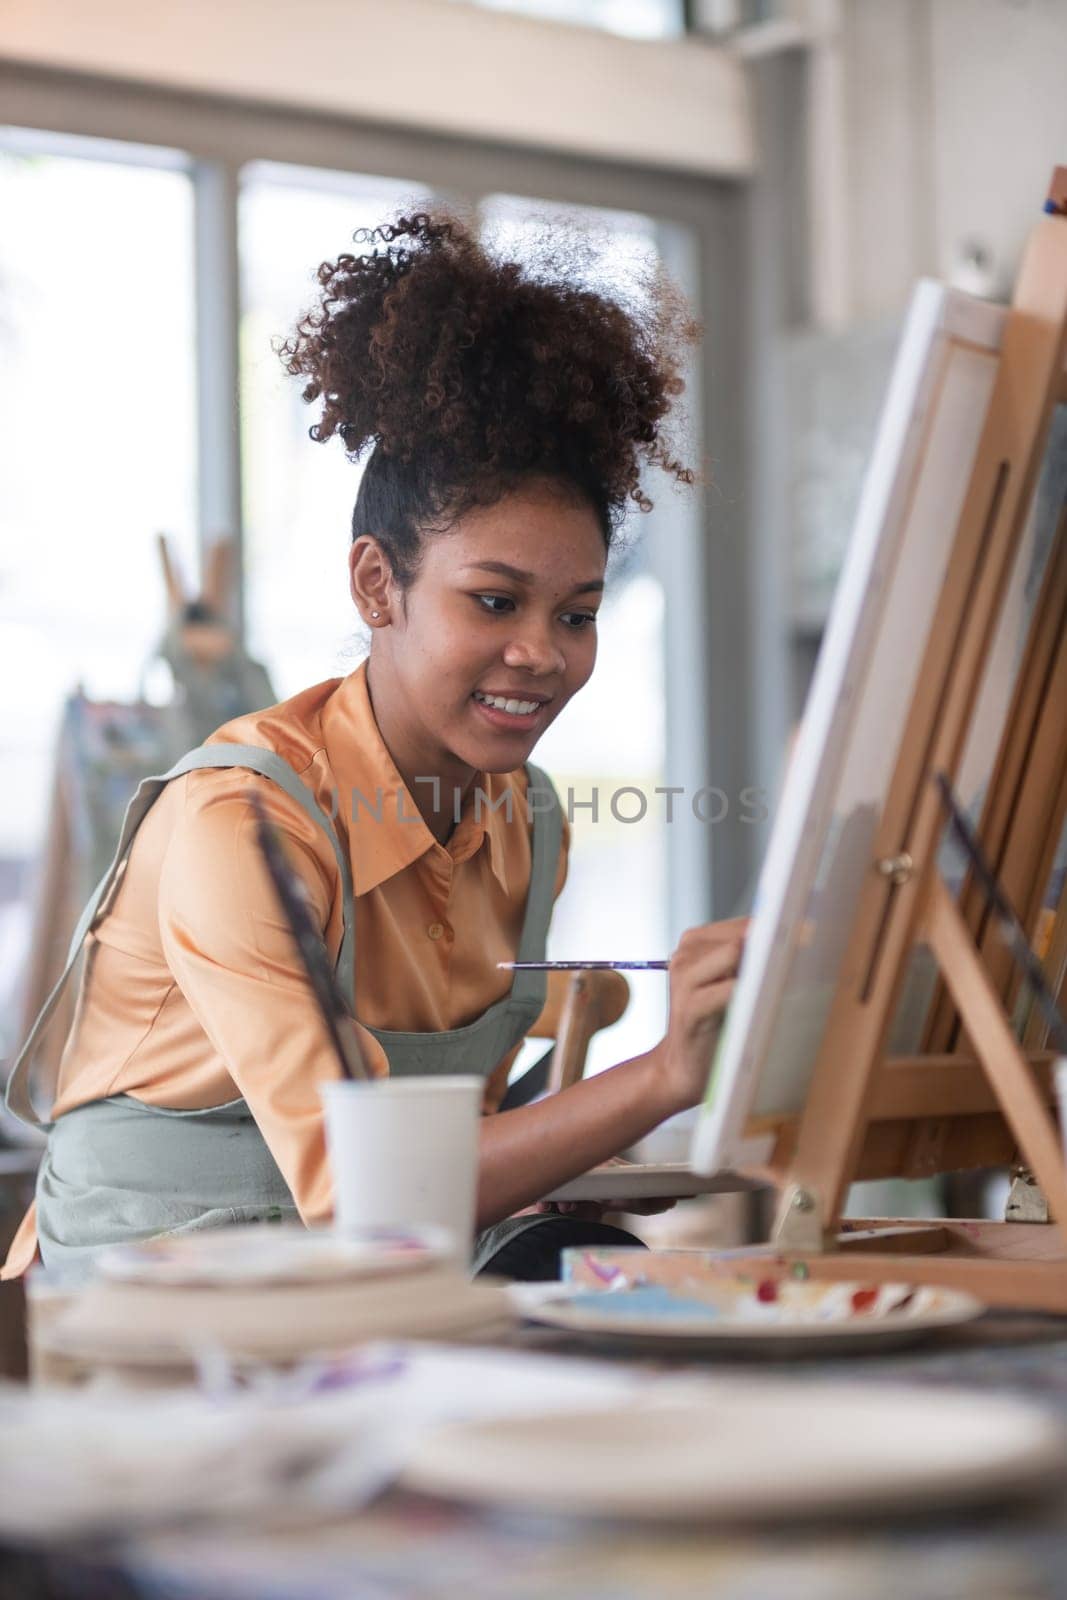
(750, 1315)
(272, 1253)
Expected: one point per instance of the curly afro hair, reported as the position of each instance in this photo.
(467, 372)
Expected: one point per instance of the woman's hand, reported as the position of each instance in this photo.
(703, 970)
(536, 1149)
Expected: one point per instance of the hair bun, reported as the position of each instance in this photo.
(478, 370)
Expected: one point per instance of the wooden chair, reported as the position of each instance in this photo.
(577, 1006)
(18, 1169)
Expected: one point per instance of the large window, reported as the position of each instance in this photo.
(97, 416)
(298, 496)
(113, 275)
(637, 19)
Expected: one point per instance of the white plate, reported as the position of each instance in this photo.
(794, 1318)
(739, 1451)
(649, 1180)
(271, 1253)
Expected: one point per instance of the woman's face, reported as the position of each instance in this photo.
(493, 637)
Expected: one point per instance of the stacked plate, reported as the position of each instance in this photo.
(265, 1255)
(261, 1293)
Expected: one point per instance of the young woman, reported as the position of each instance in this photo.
(508, 415)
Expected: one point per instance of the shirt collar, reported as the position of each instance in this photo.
(386, 831)
(490, 807)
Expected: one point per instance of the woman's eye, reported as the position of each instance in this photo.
(499, 605)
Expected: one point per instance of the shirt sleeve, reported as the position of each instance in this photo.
(497, 1082)
(231, 953)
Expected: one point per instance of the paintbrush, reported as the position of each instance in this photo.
(292, 896)
(583, 966)
(1015, 936)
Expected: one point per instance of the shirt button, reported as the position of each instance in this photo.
(435, 930)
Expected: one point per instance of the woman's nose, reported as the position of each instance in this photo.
(534, 651)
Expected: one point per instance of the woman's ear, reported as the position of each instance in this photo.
(370, 581)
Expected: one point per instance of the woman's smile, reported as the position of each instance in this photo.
(511, 712)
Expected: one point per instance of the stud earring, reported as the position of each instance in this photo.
(375, 613)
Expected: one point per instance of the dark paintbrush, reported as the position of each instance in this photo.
(314, 958)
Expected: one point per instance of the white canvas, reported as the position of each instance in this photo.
(821, 843)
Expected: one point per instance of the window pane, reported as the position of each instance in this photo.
(298, 496)
(97, 413)
(613, 737)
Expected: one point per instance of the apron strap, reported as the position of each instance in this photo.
(543, 803)
(269, 765)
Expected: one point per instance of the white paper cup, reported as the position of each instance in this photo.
(404, 1153)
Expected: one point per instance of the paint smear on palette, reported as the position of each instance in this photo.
(653, 1300)
(605, 1271)
(769, 1301)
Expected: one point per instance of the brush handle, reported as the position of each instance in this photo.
(292, 898)
(583, 966)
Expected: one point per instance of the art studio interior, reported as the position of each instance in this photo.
(453, 1140)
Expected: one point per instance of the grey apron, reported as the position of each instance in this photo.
(117, 1169)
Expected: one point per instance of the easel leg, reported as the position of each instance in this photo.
(996, 1047)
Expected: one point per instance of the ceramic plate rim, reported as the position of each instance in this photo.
(1038, 1450)
(962, 1307)
(132, 1263)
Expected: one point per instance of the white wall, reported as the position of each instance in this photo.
(999, 122)
(956, 113)
(887, 152)
(682, 105)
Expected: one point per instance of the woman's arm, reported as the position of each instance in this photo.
(527, 1153)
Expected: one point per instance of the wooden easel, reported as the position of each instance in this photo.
(198, 623)
(975, 1096)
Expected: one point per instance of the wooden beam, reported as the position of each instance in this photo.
(910, 1147)
(673, 104)
(944, 1086)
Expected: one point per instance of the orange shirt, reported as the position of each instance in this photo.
(191, 993)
